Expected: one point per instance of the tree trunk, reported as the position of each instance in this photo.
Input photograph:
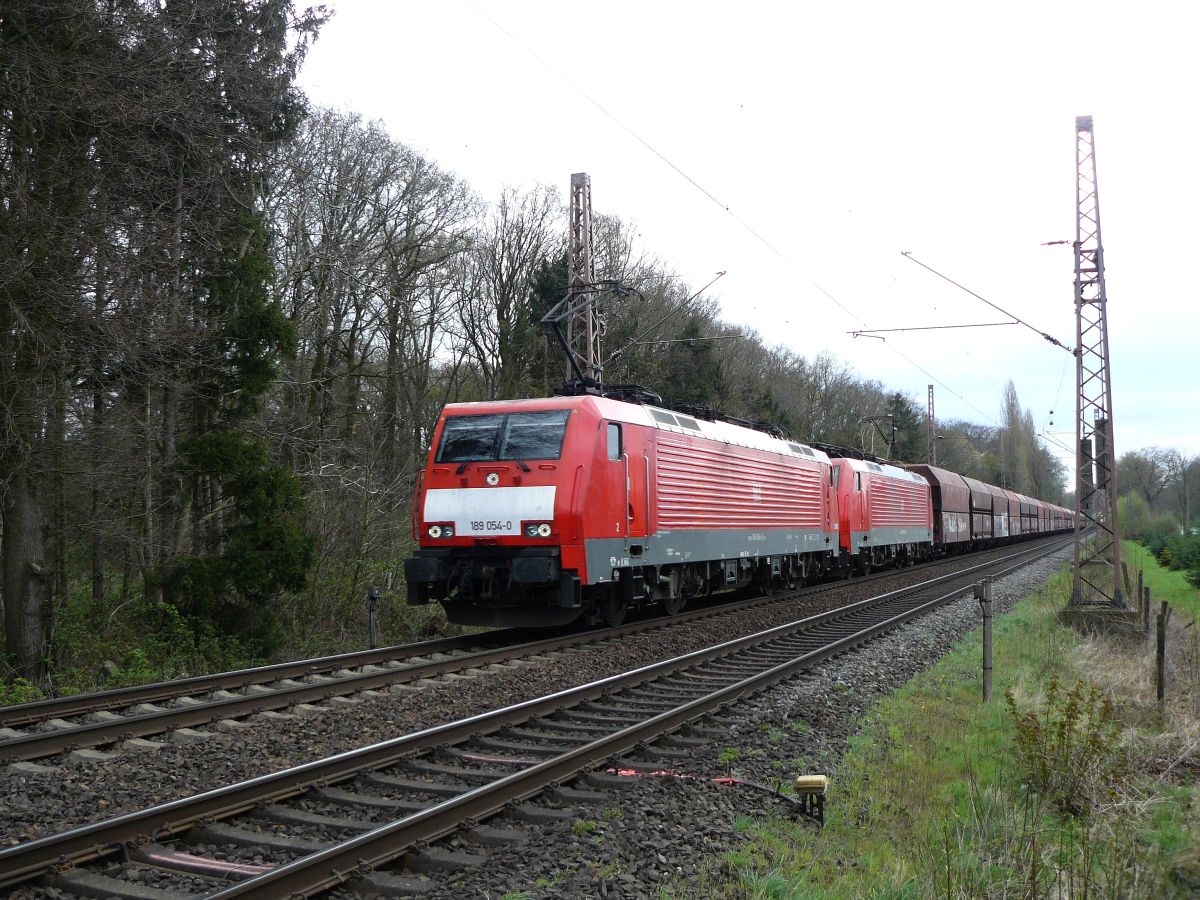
(57, 543)
(97, 541)
(169, 480)
(23, 555)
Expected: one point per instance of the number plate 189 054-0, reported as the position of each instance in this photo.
(488, 511)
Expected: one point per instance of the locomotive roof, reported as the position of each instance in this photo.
(650, 417)
(865, 465)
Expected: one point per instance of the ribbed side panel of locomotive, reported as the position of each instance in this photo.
(900, 504)
(900, 515)
(704, 485)
(728, 515)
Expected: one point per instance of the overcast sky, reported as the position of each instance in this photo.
(838, 135)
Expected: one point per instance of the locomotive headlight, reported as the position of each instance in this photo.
(543, 530)
(447, 531)
(537, 529)
(435, 531)
(531, 531)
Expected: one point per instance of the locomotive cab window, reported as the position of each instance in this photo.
(614, 440)
(469, 438)
(533, 435)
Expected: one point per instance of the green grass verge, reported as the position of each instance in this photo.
(1164, 584)
(929, 798)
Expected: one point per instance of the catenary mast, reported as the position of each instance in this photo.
(584, 328)
(930, 433)
(1097, 570)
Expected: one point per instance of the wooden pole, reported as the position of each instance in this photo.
(983, 593)
(1160, 656)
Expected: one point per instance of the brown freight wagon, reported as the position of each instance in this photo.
(981, 509)
(951, 505)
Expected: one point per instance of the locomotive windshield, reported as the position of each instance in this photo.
(531, 435)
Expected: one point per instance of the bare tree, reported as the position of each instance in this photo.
(1144, 472)
(1178, 466)
(494, 281)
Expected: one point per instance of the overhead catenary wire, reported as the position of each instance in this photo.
(679, 308)
(633, 134)
(913, 363)
(708, 194)
(870, 332)
(1053, 340)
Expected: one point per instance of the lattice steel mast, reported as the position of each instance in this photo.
(1097, 573)
(585, 326)
(931, 433)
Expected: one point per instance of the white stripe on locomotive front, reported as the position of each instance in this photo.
(489, 511)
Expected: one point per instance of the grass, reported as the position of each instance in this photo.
(936, 794)
(729, 756)
(1164, 584)
(585, 826)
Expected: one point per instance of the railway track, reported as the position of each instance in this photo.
(47, 728)
(340, 819)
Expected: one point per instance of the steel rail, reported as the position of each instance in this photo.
(41, 744)
(343, 861)
(39, 710)
(36, 711)
(98, 839)
(37, 745)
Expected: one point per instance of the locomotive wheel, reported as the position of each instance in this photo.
(611, 608)
(673, 606)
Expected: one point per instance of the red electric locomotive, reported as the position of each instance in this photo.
(886, 513)
(534, 512)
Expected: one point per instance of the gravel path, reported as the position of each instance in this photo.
(657, 830)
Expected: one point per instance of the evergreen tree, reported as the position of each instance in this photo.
(249, 533)
(909, 423)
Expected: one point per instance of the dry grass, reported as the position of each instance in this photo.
(1125, 673)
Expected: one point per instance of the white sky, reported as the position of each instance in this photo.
(842, 134)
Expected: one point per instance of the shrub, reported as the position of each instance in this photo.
(1066, 751)
(19, 691)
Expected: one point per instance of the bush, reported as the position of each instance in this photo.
(1134, 514)
(1173, 550)
(98, 646)
(1067, 751)
(19, 691)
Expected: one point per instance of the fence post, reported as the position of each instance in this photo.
(1146, 609)
(983, 593)
(1160, 656)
